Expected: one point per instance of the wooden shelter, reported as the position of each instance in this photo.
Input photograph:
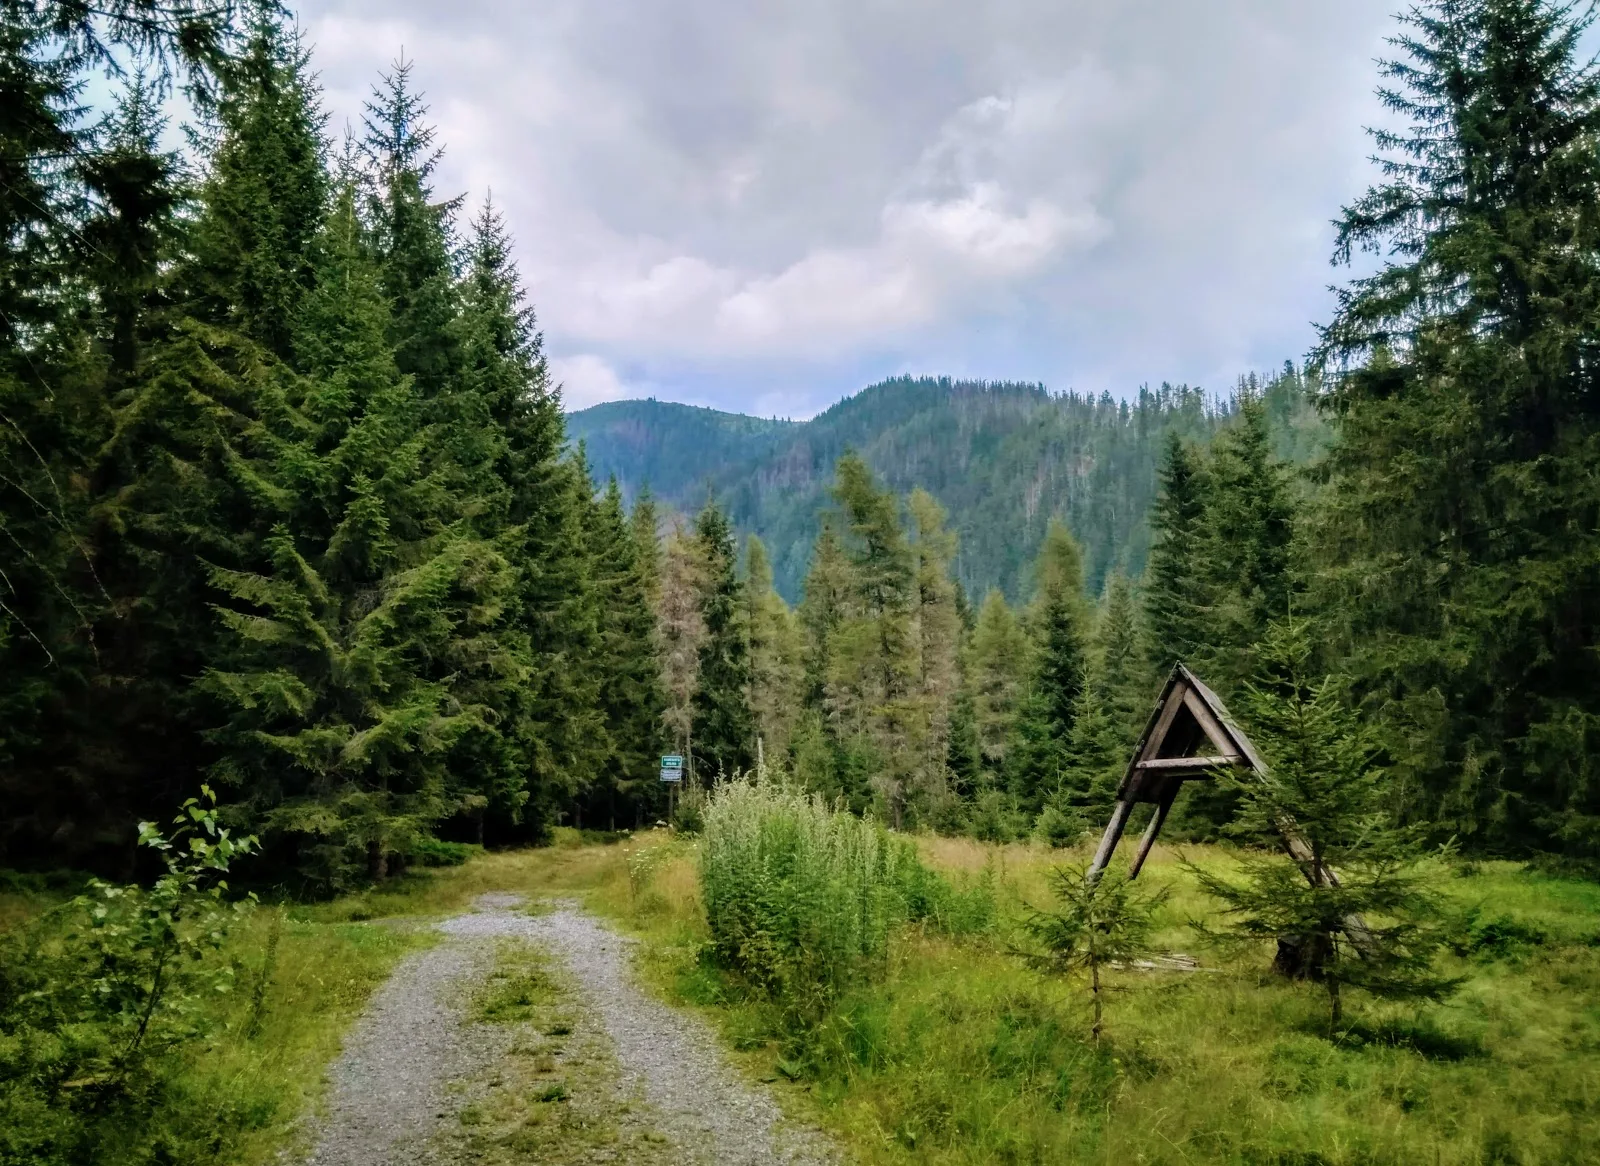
(1189, 736)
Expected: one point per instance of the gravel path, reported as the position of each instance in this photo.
(389, 1087)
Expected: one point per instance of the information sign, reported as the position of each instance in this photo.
(672, 767)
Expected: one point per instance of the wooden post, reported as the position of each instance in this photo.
(1150, 831)
(1113, 835)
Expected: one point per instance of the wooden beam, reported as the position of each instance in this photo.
(1155, 734)
(1113, 835)
(1154, 828)
(1190, 762)
(1220, 737)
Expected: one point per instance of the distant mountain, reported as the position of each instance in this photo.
(1002, 458)
(668, 446)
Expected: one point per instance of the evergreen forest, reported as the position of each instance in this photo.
(298, 543)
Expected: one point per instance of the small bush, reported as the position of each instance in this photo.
(100, 998)
(801, 897)
(433, 852)
(1497, 938)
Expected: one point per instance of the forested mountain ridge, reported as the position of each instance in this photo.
(667, 446)
(1002, 457)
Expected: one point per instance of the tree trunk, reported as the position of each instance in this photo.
(1094, 990)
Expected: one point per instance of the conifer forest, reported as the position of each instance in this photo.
(322, 617)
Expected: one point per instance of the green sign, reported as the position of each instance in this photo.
(672, 767)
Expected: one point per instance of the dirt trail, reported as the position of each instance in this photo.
(649, 1083)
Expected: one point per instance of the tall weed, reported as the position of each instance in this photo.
(802, 896)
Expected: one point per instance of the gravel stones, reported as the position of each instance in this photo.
(671, 1058)
(391, 1087)
(387, 1089)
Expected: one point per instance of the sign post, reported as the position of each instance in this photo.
(672, 774)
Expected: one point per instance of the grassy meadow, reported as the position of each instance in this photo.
(959, 1051)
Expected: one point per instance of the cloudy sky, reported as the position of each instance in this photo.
(764, 207)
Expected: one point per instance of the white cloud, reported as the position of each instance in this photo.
(712, 195)
(585, 380)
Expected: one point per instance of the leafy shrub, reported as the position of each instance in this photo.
(952, 910)
(800, 896)
(433, 852)
(1495, 938)
(98, 997)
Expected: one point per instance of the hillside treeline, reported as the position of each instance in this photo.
(1002, 458)
(886, 688)
(284, 501)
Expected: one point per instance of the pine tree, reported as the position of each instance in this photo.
(1057, 623)
(1251, 521)
(776, 674)
(252, 259)
(1462, 520)
(1374, 924)
(1177, 598)
(724, 736)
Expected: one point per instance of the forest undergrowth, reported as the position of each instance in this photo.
(953, 1046)
(959, 1050)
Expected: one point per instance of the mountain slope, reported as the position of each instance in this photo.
(667, 446)
(1003, 458)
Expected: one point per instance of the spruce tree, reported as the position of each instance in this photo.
(776, 674)
(348, 678)
(173, 481)
(1461, 521)
(1354, 904)
(1177, 596)
(644, 522)
(724, 730)
(1123, 674)
(1058, 627)
(630, 675)
(412, 236)
(252, 259)
(1251, 525)
(680, 632)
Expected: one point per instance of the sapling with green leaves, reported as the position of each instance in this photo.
(100, 998)
(1337, 882)
(1104, 920)
(145, 950)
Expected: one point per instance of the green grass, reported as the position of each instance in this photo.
(961, 1053)
(553, 1095)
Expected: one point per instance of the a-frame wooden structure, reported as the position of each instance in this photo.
(1189, 736)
